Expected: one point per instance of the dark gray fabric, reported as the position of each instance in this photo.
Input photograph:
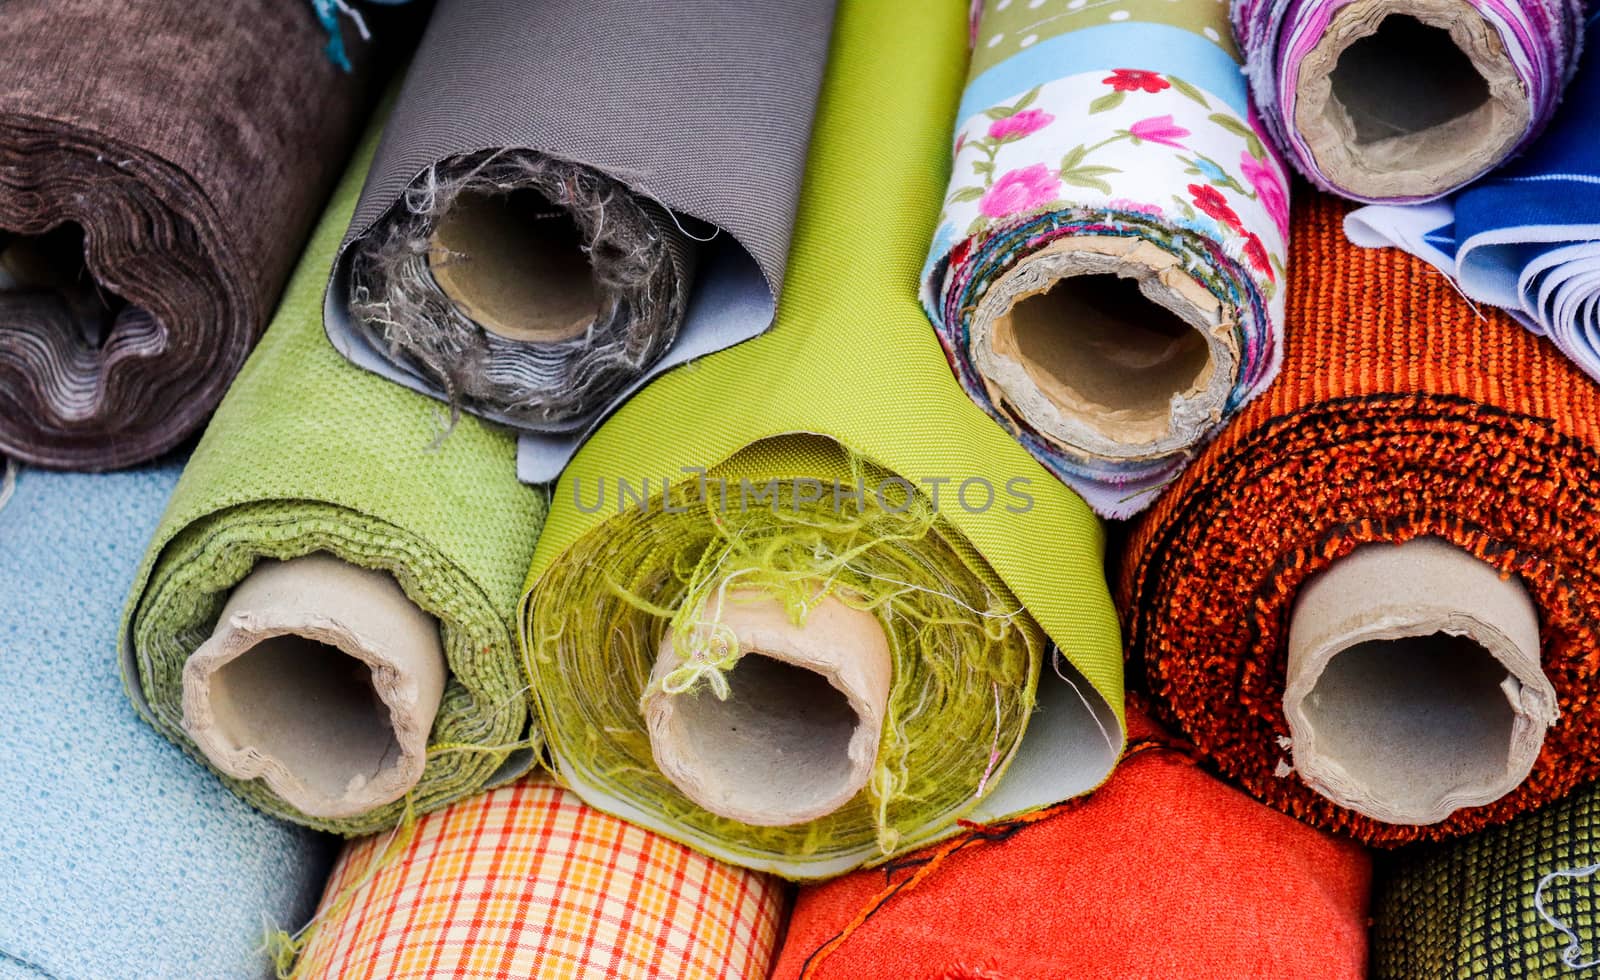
(704, 105)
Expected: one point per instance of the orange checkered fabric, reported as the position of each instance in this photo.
(527, 881)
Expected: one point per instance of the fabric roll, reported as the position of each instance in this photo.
(1174, 884)
(1402, 414)
(541, 232)
(1526, 238)
(527, 881)
(311, 457)
(160, 166)
(119, 857)
(1107, 273)
(1380, 100)
(1513, 902)
(832, 459)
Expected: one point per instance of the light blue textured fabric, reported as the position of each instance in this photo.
(119, 855)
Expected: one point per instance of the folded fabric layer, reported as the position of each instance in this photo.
(1406, 100)
(1513, 902)
(1527, 238)
(526, 881)
(1106, 274)
(1400, 417)
(777, 612)
(1164, 871)
(118, 855)
(160, 165)
(326, 532)
(543, 231)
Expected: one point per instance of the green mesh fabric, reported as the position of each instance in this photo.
(1464, 910)
(309, 453)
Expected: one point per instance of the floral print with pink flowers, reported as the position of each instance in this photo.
(1126, 140)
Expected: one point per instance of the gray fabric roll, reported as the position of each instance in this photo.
(701, 107)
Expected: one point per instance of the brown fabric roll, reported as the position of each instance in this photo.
(160, 165)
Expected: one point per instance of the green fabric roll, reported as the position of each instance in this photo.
(1470, 909)
(308, 453)
(853, 358)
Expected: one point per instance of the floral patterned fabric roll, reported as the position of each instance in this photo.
(1106, 274)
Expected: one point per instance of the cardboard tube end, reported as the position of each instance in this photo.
(797, 737)
(323, 680)
(514, 264)
(1409, 98)
(1414, 684)
(1107, 347)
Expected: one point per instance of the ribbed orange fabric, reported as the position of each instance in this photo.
(527, 881)
(1401, 411)
(1162, 872)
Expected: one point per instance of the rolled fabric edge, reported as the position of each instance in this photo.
(1427, 162)
(1383, 594)
(776, 770)
(1094, 425)
(334, 740)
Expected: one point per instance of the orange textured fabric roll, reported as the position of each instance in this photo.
(1401, 412)
(527, 881)
(1162, 872)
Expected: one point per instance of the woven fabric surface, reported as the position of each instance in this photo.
(1470, 909)
(1093, 145)
(527, 881)
(119, 856)
(307, 454)
(1401, 412)
(851, 358)
(1188, 878)
(176, 155)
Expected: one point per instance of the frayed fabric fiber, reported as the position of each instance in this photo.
(119, 856)
(1402, 416)
(1108, 269)
(1389, 101)
(311, 457)
(141, 252)
(1513, 902)
(1527, 237)
(542, 231)
(527, 881)
(816, 539)
(1174, 884)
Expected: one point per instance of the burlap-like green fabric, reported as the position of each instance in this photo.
(1465, 909)
(309, 453)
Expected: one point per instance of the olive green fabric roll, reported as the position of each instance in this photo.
(851, 358)
(1513, 902)
(310, 454)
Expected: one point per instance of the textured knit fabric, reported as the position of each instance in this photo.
(1541, 38)
(1401, 412)
(1134, 129)
(851, 358)
(194, 144)
(1162, 872)
(1471, 909)
(119, 856)
(526, 881)
(1527, 237)
(307, 454)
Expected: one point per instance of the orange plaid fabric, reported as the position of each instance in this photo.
(527, 881)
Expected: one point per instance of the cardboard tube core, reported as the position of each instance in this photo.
(53, 263)
(514, 263)
(1107, 346)
(797, 737)
(1405, 98)
(1414, 686)
(322, 679)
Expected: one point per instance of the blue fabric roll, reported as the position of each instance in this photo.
(1527, 237)
(119, 855)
